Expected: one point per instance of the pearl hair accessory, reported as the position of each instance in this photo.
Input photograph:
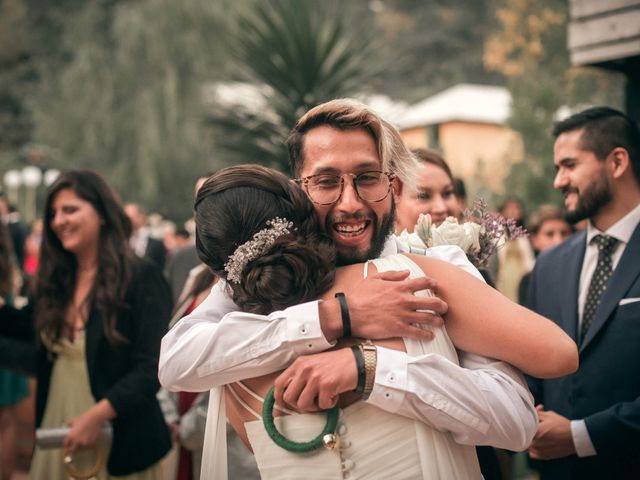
(261, 242)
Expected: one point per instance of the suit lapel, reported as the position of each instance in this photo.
(621, 280)
(570, 282)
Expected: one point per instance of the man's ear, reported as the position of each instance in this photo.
(618, 162)
(397, 189)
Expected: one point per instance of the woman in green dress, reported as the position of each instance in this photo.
(96, 322)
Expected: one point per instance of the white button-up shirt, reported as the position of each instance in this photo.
(481, 401)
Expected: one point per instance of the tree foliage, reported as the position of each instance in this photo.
(15, 124)
(297, 54)
(433, 45)
(124, 86)
(530, 49)
(127, 101)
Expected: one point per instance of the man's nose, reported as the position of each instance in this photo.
(560, 180)
(349, 201)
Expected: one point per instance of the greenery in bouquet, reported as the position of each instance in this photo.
(479, 237)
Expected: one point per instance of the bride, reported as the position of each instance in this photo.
(258, 231)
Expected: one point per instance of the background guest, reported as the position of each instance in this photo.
(590, 285)
(516, 258)
(183, 260)
(32, 256)
(433, 193)
(460, 191)
(13, 387)
(99, 316)
(17, 229)
(547, 227)
(142, 243)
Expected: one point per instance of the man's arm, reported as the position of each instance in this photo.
(215, 345)
(481, 402)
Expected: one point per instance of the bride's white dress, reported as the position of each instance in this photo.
(375, 444)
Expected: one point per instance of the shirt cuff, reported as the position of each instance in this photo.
(581, 439)
(391, 379)
(303, 329)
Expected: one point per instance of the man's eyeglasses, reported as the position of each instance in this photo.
(326, 189)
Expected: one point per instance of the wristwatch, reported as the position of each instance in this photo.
(370, 355)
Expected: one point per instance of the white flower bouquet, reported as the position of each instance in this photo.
(479, 237)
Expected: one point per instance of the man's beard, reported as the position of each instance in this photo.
(595, 196)
(381, 232)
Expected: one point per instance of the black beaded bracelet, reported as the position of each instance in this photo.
(344, 312)
(362, 373)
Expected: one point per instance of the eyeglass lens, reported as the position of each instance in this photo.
(327, 189)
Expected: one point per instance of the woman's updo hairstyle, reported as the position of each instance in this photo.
(232, 206)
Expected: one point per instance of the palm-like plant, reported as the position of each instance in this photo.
(298, 54)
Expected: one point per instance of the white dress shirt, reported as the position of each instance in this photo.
(139, 241)
(621, 231)
(481, 402)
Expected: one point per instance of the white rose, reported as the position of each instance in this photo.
(450, 232)
(411, 239)
(473, 230)
(423, 229)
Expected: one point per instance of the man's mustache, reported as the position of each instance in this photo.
(568, 190)
(358, 216)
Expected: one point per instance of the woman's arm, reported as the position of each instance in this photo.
(483, 321)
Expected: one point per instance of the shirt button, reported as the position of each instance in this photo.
(391, 377)
(303, 329)
(348, 465)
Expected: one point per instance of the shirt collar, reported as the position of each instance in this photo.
(391, 246)
(621, 230)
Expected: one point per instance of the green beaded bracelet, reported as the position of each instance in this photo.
(291, 446)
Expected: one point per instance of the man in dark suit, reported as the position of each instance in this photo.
(17, 230)
(183, 260)
(590, 285)
(142, 243)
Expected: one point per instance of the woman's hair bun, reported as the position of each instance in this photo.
(298, 268)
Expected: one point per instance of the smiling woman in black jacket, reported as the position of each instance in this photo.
(95, 328)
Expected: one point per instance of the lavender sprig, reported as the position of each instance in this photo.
(496, 231)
